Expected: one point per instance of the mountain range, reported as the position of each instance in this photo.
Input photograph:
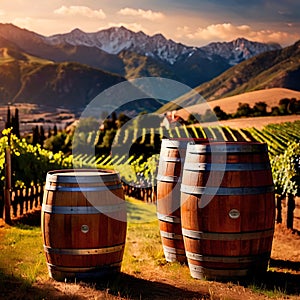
(70, 69)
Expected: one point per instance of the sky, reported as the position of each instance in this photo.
(191, 22)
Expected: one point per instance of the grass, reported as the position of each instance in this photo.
(23, 264)
(22, 253)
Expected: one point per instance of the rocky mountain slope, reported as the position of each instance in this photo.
(135, 54)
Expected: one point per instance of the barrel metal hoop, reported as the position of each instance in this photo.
(173, 250)
(170, 235)
(210, 272)
(172, 159)
(167, 218)
(230, 236)
(222, 191)
(226, 167)
(60, 188)
(82, 210)
(227, 259)
(226, 148)
(84, 251)
(81, 269)
(78, 177)
(173, 144)
(168, 178)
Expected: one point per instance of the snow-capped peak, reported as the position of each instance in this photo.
(117, 39)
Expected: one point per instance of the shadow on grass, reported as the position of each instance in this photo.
(121, 286)
(280, 278)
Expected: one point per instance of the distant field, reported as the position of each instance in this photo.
(258, 122)
(230, 104)
(31, 115)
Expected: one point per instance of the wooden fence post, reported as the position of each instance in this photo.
(7, 188)
(290, 211)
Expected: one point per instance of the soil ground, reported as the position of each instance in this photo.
(158, 282)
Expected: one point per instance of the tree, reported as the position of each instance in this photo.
(42, 136)
(35, 135)
(15, 123)
(55, 130)
(294, 106)
(8, 118)
(122, 119)
(209, 116)
(275, 111)
(243, 110)
(220, 114)
(260, 109)
(284, 106)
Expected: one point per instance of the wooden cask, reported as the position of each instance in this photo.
(227, 209)
(172, 155)
(83, 223)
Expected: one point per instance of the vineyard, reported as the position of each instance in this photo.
(137, 165)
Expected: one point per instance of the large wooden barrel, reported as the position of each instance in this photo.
(83, 223)
(227, 209)
(169, 175)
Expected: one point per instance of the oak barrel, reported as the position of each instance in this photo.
(83, 223)
(227, 209)
(169, 175)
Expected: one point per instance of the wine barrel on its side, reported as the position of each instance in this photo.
(169, 174)
(83, 223)
(227, 209)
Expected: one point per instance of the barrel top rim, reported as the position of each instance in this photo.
(82, 172)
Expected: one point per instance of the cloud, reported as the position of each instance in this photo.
(80, 11)
(145, 14)
(2, 12)
(228, 31)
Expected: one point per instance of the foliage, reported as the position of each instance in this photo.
(30, 163)
(286, 170)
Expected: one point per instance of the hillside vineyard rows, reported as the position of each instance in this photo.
(140, 170)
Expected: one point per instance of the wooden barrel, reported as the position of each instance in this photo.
(169, 174)
(227, 209)
(83, 223)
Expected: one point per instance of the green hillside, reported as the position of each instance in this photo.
(25, 78)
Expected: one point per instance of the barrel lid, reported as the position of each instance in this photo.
(82, 176)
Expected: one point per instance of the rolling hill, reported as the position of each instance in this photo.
(273, 69)
(278, 68)
(25, 78)
(230, 104)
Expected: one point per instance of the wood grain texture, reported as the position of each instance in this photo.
(84, 232)
(227, 216)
